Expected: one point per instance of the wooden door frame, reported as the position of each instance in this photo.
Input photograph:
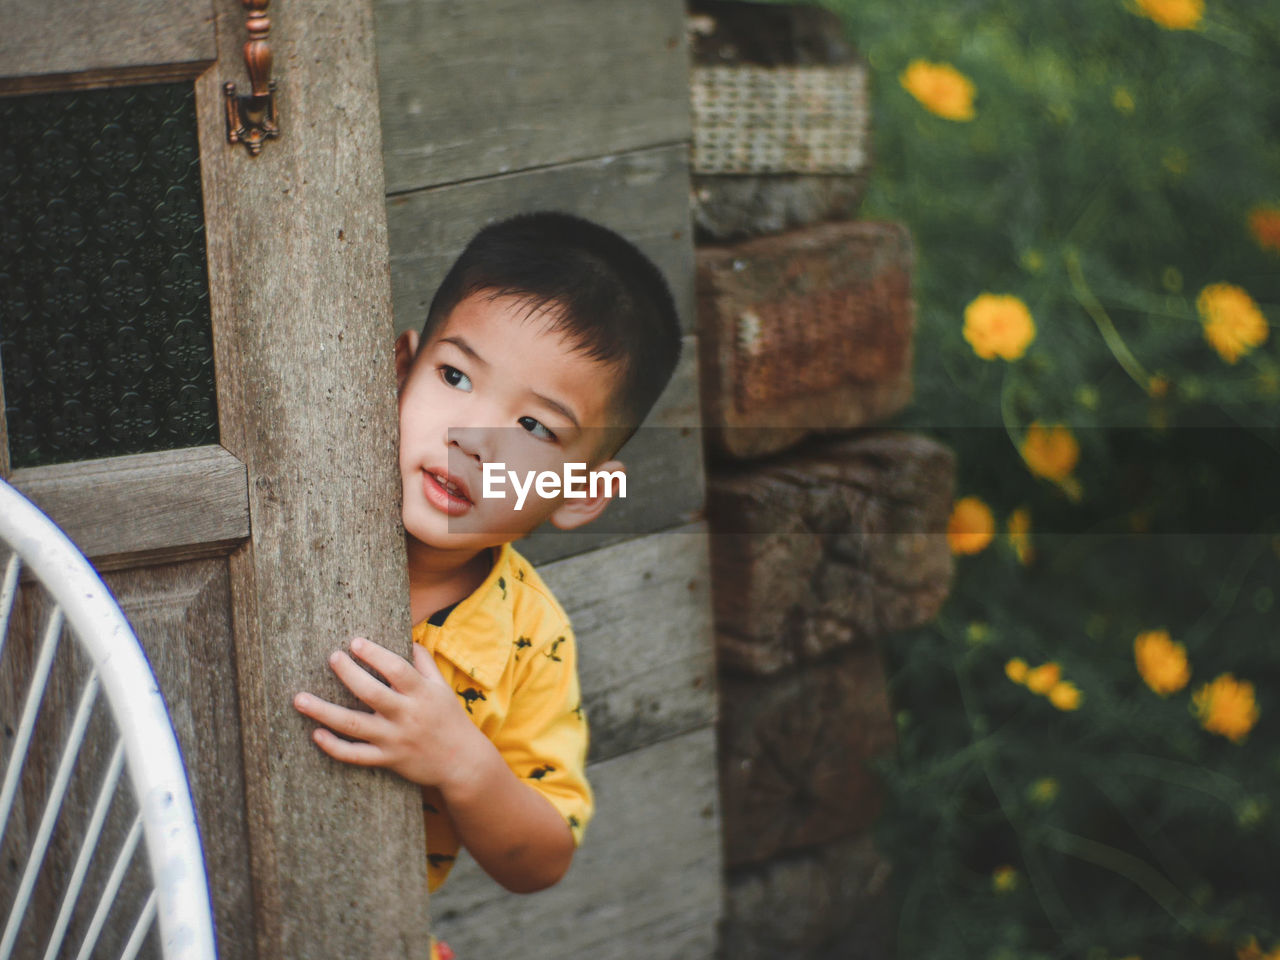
(300, 302)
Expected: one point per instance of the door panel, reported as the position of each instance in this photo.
(241, 556)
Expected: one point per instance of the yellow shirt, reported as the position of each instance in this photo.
(508, 652)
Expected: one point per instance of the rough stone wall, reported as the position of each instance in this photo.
(826, 530)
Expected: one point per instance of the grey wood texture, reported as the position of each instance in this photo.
(484, 87)
(645, 883)
(301, 307)
(175, 501)
(182, 616)
(665, 481)
(641, 612)
(643, 194)
(162, 38)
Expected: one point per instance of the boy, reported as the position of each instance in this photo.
(547, 343)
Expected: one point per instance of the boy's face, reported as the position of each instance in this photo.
(494, 385)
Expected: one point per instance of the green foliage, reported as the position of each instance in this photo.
(1107, 177)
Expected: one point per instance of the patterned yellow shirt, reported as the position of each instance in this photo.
(508, 652)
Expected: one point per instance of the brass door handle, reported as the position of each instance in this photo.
(253, 117)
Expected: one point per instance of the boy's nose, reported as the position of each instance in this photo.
(474, 442)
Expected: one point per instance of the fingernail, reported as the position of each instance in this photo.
(357, 643)
(335, 656)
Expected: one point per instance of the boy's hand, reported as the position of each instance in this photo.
(417, 727)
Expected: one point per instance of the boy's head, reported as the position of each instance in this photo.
(599, 291)
(547, 342)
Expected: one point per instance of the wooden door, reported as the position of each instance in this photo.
(210, 416)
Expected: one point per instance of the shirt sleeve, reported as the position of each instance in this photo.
(544, 739)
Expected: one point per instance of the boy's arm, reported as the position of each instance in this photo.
(419, 729)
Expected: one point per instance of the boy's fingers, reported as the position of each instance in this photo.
(361, 754)
(425, 663)
(367, 688)
(349, 723)
(399, 673)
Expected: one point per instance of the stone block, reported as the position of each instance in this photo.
(834, 545)
(794, 752)
(830, 903)
(802, 332)
(802, 91)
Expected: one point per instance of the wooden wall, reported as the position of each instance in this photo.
(493, 107)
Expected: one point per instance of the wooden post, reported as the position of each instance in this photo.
(300, 297)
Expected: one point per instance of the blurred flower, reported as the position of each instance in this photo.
(1176, 161)
(941, 88)
(1173, 14)
(1264, 224)
(1004, 878)
(971, 526)
(1043, 791)
(1157, 386)
(1162, 663)
(1044, 677)
(1233, 324)
(1251, 951)
(1050, 451)
(1019, 527)
(998, 326)
(977, 632)
(1065, 695)
(1122, 100)
(1016, 670)
(1226, 706)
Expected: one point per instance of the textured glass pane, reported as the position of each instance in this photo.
(104, 309)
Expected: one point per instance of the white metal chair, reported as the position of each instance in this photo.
(75, 601)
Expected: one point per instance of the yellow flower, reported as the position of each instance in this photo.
(1250, 950)
(1016, 670)
(970, 527)
(1019, 527)
(1233, 324)
(1050, 451)
(1044, 677)
(1162, 663)
(1226, 706)
(998, 326)
(941, 88)
(1122, 100)
(1173, 14)
(1065, 695)
(1043, 791)
(1264, 224)
(1004, 879)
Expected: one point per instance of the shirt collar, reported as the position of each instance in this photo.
(476, 636)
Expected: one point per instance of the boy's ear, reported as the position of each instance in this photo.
(573, 513)
(406, 350)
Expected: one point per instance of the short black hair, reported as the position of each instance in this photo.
(598, 288)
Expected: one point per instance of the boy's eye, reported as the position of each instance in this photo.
(455, 377)
(536, 428)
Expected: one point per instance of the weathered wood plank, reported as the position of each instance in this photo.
(301, 312)
(489, 86)
(644, 195)
(145, 502)
(666, 485)
(646, 882)
(641, 611)
(181, 614)
(71, 37)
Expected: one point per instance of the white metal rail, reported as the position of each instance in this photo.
(80, 604)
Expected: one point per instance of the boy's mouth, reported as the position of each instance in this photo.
(446, 493)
